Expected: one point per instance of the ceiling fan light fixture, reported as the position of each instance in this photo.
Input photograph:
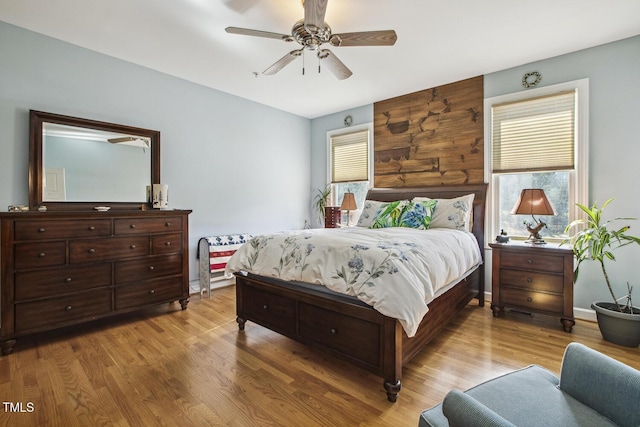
(312, 32)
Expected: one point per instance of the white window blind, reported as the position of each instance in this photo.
(350, 157)
(535, 134)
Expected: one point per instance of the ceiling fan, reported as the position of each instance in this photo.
(312, 32)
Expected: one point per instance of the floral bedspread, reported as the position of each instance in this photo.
(396, 270)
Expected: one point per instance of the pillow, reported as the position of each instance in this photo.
(452, 213)
(369, 212)
(405, 213)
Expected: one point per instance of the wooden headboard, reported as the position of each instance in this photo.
(441, 192)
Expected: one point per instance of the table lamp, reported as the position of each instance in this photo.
(533, 201)
(348, 204)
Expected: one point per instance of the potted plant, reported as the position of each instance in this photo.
(618, 322)
(320, 202)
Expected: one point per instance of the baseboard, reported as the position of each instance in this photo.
(194, 285)
(579, 313)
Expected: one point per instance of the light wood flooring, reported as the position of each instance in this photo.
(194, 368)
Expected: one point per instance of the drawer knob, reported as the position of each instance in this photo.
(529, 261)
(529, 299)
(42, 254)
(91, 228)
(529, 280)
(41, 230)
(68, 308)
(132, 226)
(167, 224)
(167, 243)
(152, 291)
(92, 251)
(67, 279)
(265, 307)
(151, 268)
(334, 331)
(132, 246)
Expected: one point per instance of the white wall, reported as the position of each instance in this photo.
(613, 71)
(240, 166)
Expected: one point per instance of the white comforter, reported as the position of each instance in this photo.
(398, 271)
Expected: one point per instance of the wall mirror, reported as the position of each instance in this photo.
(78, 163)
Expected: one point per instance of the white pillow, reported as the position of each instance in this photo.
(369, 212)
(452, 213)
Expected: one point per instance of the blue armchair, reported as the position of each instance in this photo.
(593, 390)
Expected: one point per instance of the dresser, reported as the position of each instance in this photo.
(533, 279)
(65, 268)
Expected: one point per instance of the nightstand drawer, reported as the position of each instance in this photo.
(536, 301)
(532, 280)
(537, 262)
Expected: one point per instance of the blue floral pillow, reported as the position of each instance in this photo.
(404, 213)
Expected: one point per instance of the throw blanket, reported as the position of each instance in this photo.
(395, 270)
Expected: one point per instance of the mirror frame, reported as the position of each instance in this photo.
(36, 171)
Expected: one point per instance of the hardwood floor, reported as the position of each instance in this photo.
(195, 368)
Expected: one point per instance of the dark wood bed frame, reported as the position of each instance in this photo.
(349, 328)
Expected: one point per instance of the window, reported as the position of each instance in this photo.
(538, 139)
(350, 165)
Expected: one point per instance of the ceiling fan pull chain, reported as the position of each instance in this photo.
(303, 55)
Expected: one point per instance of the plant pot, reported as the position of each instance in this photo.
(616, 327)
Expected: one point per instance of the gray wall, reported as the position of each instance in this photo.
(614, 143)
(240, 166)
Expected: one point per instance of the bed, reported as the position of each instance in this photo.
(350, 328)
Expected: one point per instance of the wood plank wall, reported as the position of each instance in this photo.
(430, 137)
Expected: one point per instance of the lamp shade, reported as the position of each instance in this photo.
(348, 202)
(533, 201)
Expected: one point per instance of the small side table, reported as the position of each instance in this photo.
(331, 216)
(533, 278)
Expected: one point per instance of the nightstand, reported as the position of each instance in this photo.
(331, 216)
(533, 279)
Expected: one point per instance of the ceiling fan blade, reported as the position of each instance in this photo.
(282, 62)
(365, 38)
(314, 12)
(334, 64)
(258, 33)
(123, 139)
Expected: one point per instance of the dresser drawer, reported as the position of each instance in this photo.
(536, 301)
(547, 263)
(349, 336)
(532, 280)
(166, 243)
(49, 312)
(149, 292)
(109, 248)
(147, 268)
(147, 225)
(34, 255)
(271, 310)
(55, 281)
(50, 229)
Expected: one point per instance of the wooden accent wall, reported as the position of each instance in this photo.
(431, 137)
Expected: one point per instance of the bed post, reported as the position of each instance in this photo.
(392, 359)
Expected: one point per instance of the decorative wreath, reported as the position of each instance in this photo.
(528, 82)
